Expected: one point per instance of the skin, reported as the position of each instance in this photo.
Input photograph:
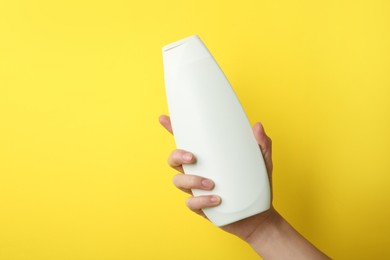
(268, 233)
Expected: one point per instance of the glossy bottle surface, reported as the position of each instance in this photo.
(208, 120)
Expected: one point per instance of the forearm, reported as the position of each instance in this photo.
(277, 239)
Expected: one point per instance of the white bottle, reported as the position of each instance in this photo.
(208, 120)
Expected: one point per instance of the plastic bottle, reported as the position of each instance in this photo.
(208, 120)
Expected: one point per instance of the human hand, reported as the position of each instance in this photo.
(185, 182)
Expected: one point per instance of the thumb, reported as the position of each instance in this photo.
(265, 144)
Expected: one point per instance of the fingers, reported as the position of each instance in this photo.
(178, 158)
(262, 139)
(186, 182)
(265, 144)
(165, 121)
(196, 204)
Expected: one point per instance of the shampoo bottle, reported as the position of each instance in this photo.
(208, 120)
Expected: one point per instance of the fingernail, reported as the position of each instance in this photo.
(187, 157)
(214, 199)
(206, 183)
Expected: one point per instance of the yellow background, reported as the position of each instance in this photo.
(83, 171)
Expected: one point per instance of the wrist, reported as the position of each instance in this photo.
(266, 232)
(275, 238)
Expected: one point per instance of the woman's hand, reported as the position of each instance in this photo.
(185, 182)
(268, 233)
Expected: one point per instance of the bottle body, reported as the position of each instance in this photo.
(208, 120)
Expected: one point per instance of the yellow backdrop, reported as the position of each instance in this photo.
(83, 171)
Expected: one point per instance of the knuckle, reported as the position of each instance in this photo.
(170, 158)
(190, 203)
(176, 155)
(174, 158)
(175, 180)
(192, 181)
